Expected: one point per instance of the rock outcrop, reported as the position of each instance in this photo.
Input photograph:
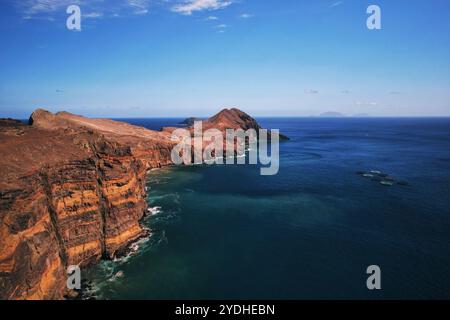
(189, 121)
(72, 191)
(234, 119)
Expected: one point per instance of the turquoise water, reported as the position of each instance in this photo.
(225, 232)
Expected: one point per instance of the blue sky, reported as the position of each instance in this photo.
(153, 58)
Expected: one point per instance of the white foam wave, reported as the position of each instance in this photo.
(153, 211)
(117, 276)
(133, 249)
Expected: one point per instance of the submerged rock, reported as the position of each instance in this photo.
(381, 177)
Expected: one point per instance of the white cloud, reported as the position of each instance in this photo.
(93, 15)
(141, 11)
(139, 6)
(311, 91)
(46, 9)
(221, 26)
(335, 4)
(362, 103)
(245, 16)
(187, 7)
(51, 9)
(32, 7)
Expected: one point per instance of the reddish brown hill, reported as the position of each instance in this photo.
(231, 119)
(234, 119)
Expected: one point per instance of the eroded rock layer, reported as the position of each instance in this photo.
(69, 196)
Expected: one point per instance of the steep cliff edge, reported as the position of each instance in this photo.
(72, 191)
(69, 195)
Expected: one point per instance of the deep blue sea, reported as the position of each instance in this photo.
(225, 232)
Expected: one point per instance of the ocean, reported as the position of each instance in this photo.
(310, 232)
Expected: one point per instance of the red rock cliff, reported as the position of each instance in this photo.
(70, 194)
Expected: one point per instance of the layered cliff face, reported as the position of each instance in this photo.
(68, 197)
(72, 191)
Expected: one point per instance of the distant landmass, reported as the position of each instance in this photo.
(190, 121)
(332, 114)
(335, 114)
(361, 115)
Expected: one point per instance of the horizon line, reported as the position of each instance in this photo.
(256, 116)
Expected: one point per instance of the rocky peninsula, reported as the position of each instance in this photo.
(72, 192)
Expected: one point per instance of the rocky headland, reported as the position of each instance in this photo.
(72, 192)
